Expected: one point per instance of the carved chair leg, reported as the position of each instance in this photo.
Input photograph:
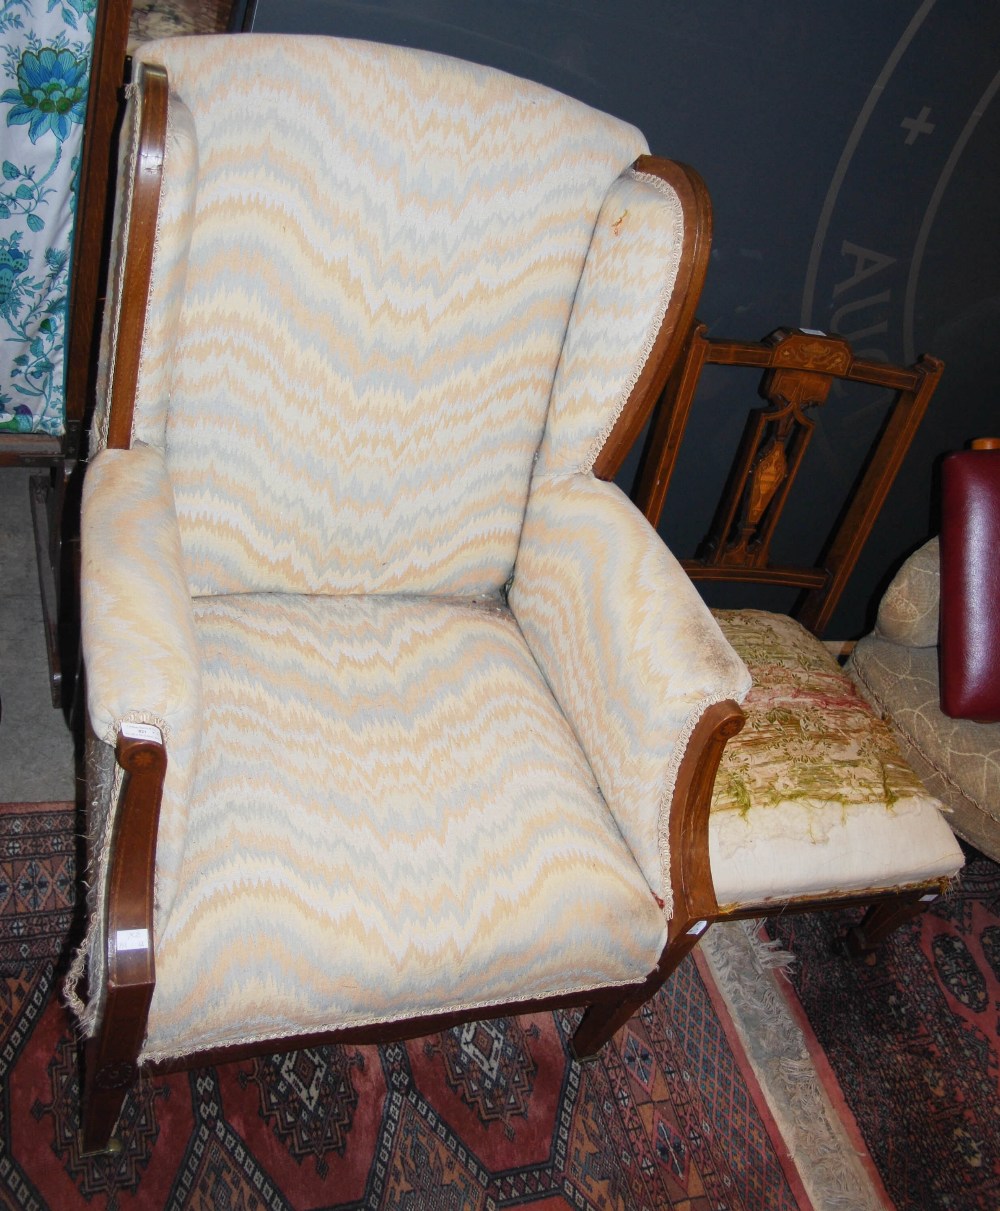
(881, 919)
(105, 1088)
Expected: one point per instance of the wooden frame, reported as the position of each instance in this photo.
(112, 1055)
(144, 186)
(799, 368)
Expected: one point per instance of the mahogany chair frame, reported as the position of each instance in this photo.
(798, 368)
(111, 1055)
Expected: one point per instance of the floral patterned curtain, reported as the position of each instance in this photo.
(46, 51)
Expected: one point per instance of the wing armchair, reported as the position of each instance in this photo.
(393, 698)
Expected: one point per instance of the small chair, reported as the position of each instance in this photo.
(813, 805)
(395, 703)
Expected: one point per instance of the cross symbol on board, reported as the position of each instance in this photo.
(917, 126)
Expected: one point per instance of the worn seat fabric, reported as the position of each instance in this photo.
(814, 797)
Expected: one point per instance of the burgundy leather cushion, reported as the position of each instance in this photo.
(970, 585)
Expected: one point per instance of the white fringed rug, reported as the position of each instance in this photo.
(828, 1152)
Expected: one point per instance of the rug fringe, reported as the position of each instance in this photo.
(743, 965)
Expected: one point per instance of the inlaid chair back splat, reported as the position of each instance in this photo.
(799, 369)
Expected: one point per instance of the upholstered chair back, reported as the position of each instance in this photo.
(357, 322)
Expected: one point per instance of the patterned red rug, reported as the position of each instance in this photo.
(492, 1115)
(913, 1038)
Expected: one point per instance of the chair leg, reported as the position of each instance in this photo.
(600, 1023)
(602, 1020)
(881, 919)
(105, 1087)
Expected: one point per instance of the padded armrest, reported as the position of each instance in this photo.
(138, 636)
(139, 643)
(630, 651)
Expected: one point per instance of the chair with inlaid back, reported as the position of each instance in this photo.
(813, 805)
(395, 701)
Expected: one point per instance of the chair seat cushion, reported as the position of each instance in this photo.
(390, 817)
(958, 759)
(813, 796)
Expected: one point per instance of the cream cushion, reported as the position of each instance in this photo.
(957, 759)
(815, 773)
(410, 804)
(908, 612)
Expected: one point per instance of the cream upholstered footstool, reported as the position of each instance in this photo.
(896, 668)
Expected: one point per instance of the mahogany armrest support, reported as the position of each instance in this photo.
(690, 862)
(112, 1053)
(132, 858)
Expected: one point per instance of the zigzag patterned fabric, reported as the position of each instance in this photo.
(386, 338)
(633, 721)
(410, 804)
(626, 287)
(374, 307)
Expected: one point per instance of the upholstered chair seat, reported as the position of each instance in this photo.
(417, 813)
(814, 798)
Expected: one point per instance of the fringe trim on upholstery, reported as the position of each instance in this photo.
(104, 779)
(154, 1055)
(88, 969)
(743, 967)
